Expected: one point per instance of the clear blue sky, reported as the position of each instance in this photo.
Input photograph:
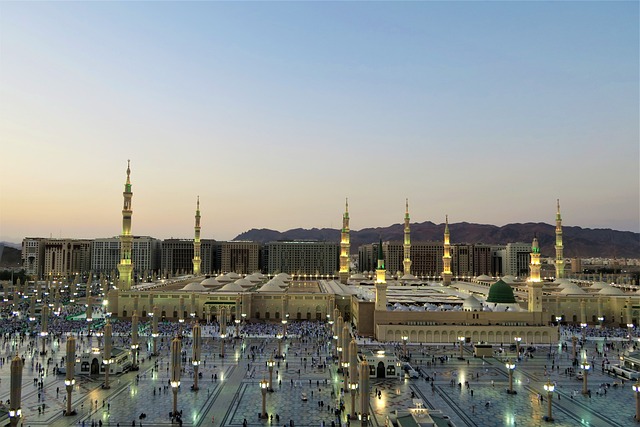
(274, 112)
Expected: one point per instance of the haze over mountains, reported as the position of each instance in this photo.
(578, 241)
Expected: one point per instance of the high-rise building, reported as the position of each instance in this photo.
(177, 256)
(302, 257)
(33, 256)
(426, 257)
(63, 257)
(145, 254)
(517, 258)
(240, 257)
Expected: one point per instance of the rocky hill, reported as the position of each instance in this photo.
(578, 241)
(9, 256)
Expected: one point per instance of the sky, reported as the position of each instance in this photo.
(274, 112)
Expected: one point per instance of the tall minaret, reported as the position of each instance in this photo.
(407, 242)
(381, 281)
(559, 254)
(125, 268)
(534, 284)
(345, 246)
(446, 257)
(196, 242)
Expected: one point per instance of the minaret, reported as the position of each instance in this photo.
(559, 254)
(196, 242)
(534, 284)
(345, 246)
(407, 242)
(446, 257)
(381, 281)
(125, 268)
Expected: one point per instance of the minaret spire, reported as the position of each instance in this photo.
(125, 268)
(196, 241)
(407, 241)
(446, 257)
(559, 247)
(345, 246)
(381, 281)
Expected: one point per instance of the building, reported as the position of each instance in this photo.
(177, 256)
(146, 253)
(517, 259)
(302, 257)
(64, 257)
(33, 256)
(242, 257)
(426, 257)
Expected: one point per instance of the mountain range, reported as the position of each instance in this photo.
(577, 241)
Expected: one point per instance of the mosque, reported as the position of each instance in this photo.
(385, 308)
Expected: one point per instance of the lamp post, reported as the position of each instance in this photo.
(284, 326)
(405, 338)
(583, 327)
(636, 390)
(197, 342)
(461, 339)
(176, 354)
(69, 380)
(510, 367)
(517, 340)
(279, 355)
(44, 318)
(345, 373)
(15, 393)
(263, 388)
(549, 387)
(270, 364)
(353, 388)
(364, 392)
(574, 343)
(154, 330)
(237, 321)
(134, 341)
(106, 359)
(222, 338)
(585, 372)
(630, 327)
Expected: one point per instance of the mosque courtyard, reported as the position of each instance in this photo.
(470, 392)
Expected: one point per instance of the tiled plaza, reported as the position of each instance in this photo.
(229, 390)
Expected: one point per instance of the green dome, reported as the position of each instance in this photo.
(501, 293)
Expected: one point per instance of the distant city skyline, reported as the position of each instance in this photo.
(273, 113)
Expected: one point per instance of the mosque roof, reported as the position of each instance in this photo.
(224, 278)
(210, 282)
(484, 278)
(610, 290)
(271, 286)
(471, 303)
(572, 288)
(599, 285)
(501, 293)
(232, 287)
(194, 287)
(244, 282)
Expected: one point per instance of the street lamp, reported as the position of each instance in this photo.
(404, 345)
(583, 327)
(335, 338)
(345, 371)
(263, 388)
(510, 367)
(353, 386)
(585, 371)
(176, 355)
(549, 387)
(517, 340)
(636, 390)
(237, 328)
(222, 338)
(279, 337)
(461, 339)
(574, 343)
(271, 364)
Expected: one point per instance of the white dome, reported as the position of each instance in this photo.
(194, 287)
(572, 288)
(610, 290)
(223, 278)
(254, 278)
(233, 275)
(245, 283)
(409, 277)
(508, 279)
(232, 287)
(599, 285)
(270, 286)
(484, 278)
(357, 276)
(284, 277)
(210, 282)
(471, 303)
